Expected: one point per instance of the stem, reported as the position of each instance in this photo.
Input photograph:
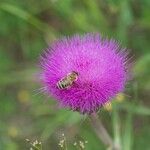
(101, 131)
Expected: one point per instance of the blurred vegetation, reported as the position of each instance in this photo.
(27, 27)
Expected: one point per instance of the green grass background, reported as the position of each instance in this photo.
(26, 28)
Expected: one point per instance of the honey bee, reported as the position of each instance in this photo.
(68, 80)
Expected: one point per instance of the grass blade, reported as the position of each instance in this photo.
(127, 137)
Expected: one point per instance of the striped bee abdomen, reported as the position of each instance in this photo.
(63, 84)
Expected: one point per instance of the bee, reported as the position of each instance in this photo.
(68, 80)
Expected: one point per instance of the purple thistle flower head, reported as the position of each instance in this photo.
(84, 72)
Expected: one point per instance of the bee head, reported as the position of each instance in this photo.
(73, 75)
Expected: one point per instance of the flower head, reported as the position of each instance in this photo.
(84, 72)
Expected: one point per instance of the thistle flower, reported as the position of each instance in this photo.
(99, 67)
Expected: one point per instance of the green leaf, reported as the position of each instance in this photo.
(135, 109)
(128, 135)
(26, 16)
(116, 127)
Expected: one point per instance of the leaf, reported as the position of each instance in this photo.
(135, 109)
(116, 127)
(26, 16)
(128, 135)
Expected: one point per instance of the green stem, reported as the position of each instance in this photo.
(101, 131)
